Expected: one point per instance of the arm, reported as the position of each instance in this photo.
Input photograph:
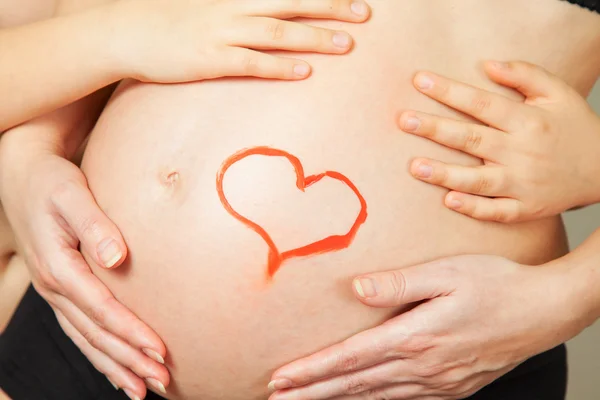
(74, 52)
(85, 51)
(583, 281)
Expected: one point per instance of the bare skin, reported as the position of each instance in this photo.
(532, 252)
(181, 239)
(13, 274)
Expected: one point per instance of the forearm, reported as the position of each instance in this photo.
(46, 65)
(582, 280)
(61, 132)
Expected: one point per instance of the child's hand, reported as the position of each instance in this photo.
(169, 41)
(541, 156)
(52, 212)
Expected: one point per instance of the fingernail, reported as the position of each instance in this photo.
(301, 70)
(113, 384)
(424, 171)
(109, 252)
(279, 384)
(359, 8)
(412, 124)
(365, 287)
(500, 65)
(131, 395)
(455, 203)
(156, 384)
(341, 39)
(154, 355)
(424, 82)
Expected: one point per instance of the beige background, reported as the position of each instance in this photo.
(584, 350)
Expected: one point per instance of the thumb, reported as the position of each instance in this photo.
(98, 235)
(403, 286)
(529, 79)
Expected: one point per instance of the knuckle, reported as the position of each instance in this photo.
(537, 124)
(46, 278)
(428, 370)
(63, 190)
(276, 30)
(472, 140)
(347, 361)
(482, 185)
(354, 385)
(250, 63)
(98, 313)
(500, 215)
(89, 226)
(397, 282)
(94, 337)
(376, 394)
(481, 103)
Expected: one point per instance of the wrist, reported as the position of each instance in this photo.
(122, 40)
(104, 41)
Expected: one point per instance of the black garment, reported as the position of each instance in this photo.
(39, 362)
(593, 5)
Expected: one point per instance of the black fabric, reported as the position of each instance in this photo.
(593, 5)
(39, 362)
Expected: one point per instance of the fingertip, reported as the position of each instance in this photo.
(423, 80)
(421, 168)
(110, 253)
(361, 10)
(156, 356)
(365, 288)
(301, 70)
(454, 201)
(407, 121)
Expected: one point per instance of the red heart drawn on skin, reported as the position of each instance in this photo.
(328, 244)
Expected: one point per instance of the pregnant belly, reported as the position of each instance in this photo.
(243, 261)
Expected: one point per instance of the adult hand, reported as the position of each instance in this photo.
(166, 41)
(52, 212)
(481, 317)
(540, 156)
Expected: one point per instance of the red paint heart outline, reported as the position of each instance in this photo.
(328, 244)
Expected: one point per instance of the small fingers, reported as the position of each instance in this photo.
(491, 108)
(244, 62)
(531, 80)
(118, 376)
(474, 139)
(484, 208)
(262, 33)
(99, 236)
(342, 10)
(482, 180)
